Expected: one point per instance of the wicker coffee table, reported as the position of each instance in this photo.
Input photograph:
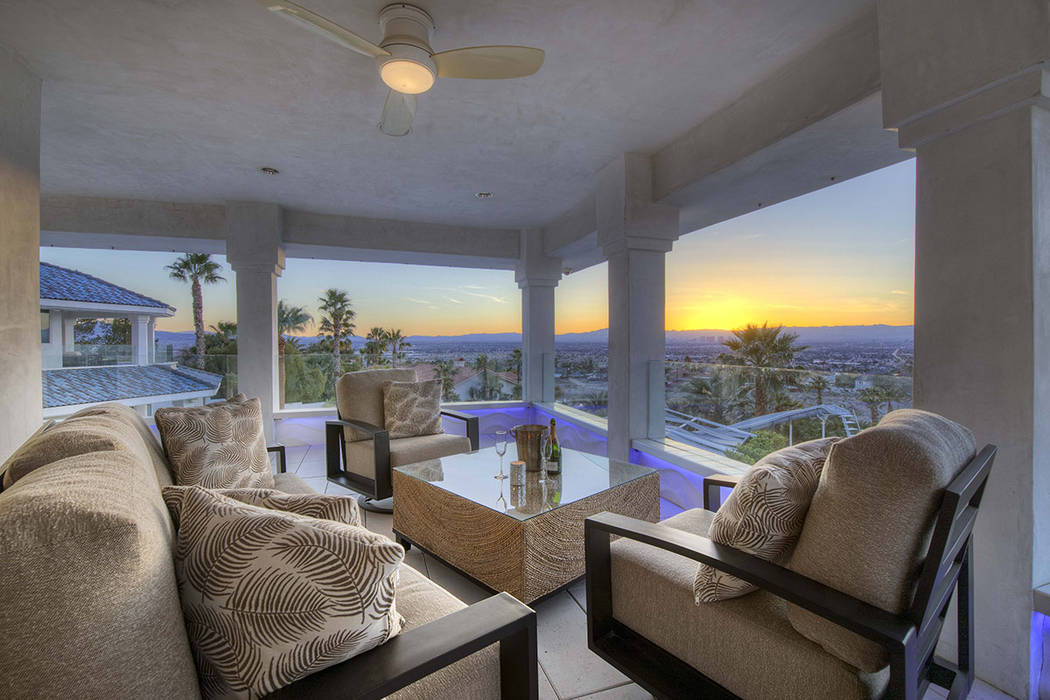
(527, 538)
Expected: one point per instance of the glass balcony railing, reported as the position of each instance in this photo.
(748, 412)
(581, 380)
(84, 355)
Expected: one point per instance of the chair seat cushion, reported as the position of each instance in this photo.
(291, 483)
(420, 600)
(360, 456)
(744, 644)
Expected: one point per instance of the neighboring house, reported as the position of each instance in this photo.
(467, 378)
(79, 375)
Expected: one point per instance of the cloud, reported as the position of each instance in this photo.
(453, 301)
(495, 299)
(422, 302)
(901, 292)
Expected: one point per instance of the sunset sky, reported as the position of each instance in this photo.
(843, 255)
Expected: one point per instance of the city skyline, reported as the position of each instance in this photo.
(843, 255)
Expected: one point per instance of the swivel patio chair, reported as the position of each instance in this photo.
(797, 636)
(359, 452)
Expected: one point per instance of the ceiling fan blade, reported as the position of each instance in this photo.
(398, 112)
(489, 62)
(326, 28)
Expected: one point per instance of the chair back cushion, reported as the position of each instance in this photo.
(359, 396)
(871, 518)
(412, 408)
(91, 608)
(218, 446)
(764, 514)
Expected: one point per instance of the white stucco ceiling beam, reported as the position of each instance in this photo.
(385, 240)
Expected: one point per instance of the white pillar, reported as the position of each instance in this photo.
(634, 235)
(20, 351)
(69, 322)
(537, 276)
(982, 287)
(253, 249)
(141, 339)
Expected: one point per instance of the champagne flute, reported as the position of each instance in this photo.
(501, 449)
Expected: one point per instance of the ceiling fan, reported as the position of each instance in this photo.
(405, 60)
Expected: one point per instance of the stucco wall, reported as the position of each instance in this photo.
(20, 408)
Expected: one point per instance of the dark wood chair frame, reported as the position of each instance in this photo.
(909, 638)
(417, 653)
(382, 486)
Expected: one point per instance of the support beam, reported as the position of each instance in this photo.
(20, 347)
(141, 339)
(634, 234)
(537, 276)
(253, 249)
(974, 116)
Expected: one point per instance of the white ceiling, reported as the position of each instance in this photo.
(183, 99)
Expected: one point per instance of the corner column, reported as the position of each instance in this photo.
(537, 276)
(254, 251)
(635, 234)
(141, 340)
(976, 117)
(20, 346)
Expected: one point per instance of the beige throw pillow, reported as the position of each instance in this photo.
(323, 506)
(763, 515)
(871, 518)
(216, 446)
(270, 597)
(412, 408)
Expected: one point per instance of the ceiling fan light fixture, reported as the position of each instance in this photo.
(408, 69)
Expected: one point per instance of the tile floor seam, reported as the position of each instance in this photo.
(595, 692)
(549, 681)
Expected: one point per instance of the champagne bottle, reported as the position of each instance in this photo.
(555, 462)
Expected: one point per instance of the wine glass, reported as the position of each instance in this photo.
(501, 449)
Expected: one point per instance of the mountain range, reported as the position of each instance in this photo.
(806, 334)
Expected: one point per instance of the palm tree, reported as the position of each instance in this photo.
(397, 343)
(515, 363)
(376, 345)
(819, 383)
(873, 397)
(196, 268)
(290, 319)
(446, 372)
(762, 348)
(337, 320)
(722, 394)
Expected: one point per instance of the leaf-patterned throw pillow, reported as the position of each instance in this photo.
(219, 446)
(324, 506)
(763, 515)
(270, 597)
(412, 408)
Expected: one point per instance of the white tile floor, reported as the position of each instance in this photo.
(568, 670)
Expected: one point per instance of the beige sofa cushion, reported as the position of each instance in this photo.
(96, 429)
(764, 514)
(745, 644)
(871, 517)
(341, 509)
(360, 456)
(359, 396)
(291, 483)
(412, 408)
(476, 677)
(270, 597)
(217, 446)
(91, 608)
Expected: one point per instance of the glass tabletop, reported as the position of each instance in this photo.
(523, 495)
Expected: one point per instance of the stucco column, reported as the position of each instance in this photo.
(634, 234)
(69, 335)
(141, 339)
(253, 249)
(537, 276)
(20, 349)
(974, 115)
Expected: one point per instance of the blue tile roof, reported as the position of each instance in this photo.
(70, 285)
(80, 385)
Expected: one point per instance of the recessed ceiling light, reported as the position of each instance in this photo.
(269, 171)
(482, 195)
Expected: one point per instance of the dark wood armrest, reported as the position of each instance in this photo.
(335, 456)
(874, 623)
(712, 489)
(421, 651)
(282, 458)
(473, 425)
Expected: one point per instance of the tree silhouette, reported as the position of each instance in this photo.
(337, 320)
(197, 269)
(290, 319)
(764, 349)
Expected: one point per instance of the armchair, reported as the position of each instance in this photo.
(745, 645)
(359, 453)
